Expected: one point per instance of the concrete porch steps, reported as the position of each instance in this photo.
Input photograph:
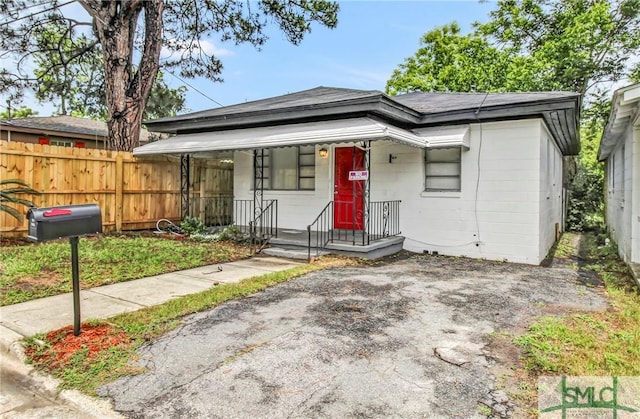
(291, 253)
(292, 244)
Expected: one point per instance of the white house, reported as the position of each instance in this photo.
(468, 174)
(620, 150)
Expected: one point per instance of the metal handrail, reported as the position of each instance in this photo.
(244, 213)
(324, 230)
(270, 212)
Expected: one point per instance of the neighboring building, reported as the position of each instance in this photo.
(470, 174)
(62, 130)
(620, 150)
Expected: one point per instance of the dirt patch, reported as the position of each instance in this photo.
(63, 346)
(33, 283)
(14, 241)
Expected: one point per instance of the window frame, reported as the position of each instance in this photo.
(458, 176)
(61, 143)
(268, 167)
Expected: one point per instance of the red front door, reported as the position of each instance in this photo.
(348, 195)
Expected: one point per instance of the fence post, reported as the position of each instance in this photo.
(119, 190)
(202, 177)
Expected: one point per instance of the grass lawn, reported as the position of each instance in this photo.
(603, 343)
(593, 343)
(105, 349)
(32, 271)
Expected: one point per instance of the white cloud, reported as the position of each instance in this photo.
(206, 46)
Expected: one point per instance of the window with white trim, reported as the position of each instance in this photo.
(442, 168)
(61, 143)
(290, 168)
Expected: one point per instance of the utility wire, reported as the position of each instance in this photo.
(183, 81)
(36, 13)
(168, 71)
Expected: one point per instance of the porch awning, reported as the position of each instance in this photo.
(442, 137)
(323, 132)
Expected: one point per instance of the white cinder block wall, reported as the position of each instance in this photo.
(501, 213)
(494, 216)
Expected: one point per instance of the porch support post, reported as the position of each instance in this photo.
(365, 195)
(258, 186)
(184, 185)
(354, 197)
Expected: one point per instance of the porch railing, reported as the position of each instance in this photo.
(383, 222)
(384, 219)
(244, 213)
(322, 226)
(259, 227)
(265, 224)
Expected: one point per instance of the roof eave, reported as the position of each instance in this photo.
(559, 114)
(623, 112)
(380, 105)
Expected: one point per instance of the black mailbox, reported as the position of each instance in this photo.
(67, 221)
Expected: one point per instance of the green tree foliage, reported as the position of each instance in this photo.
(163, 100)
(539, 45)
(577, 43)
(131, 35)
(528, 45)
(448, 61)
(75, 82)
(21, 112)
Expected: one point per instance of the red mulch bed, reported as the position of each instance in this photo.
(64, 345)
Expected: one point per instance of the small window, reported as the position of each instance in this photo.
(442, 169)
(60, 143)
(290, 168)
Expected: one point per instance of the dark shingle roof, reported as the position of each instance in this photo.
(65, 124)
(61, 123)
(306, 98)
(414, 110)
(438, 102)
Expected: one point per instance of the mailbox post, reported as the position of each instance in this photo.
(70, 221)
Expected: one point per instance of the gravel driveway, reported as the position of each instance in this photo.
(407, 339)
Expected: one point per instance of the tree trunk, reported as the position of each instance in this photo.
(127, 88)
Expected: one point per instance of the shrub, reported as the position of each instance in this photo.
(193, 225)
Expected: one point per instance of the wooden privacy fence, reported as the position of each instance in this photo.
(133, 193)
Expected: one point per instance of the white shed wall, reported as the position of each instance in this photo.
(635, 194)
(551, 201)
(618, 190)
(623, 200)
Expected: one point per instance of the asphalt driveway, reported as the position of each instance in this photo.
(409, 339)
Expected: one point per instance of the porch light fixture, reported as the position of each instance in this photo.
(323, 152)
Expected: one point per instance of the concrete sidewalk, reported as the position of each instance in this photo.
(45, 314)
(25, 393)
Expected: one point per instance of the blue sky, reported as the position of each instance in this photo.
(371, 39)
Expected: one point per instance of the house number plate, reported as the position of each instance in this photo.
(358, 175)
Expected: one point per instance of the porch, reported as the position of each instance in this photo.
(377, 237)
